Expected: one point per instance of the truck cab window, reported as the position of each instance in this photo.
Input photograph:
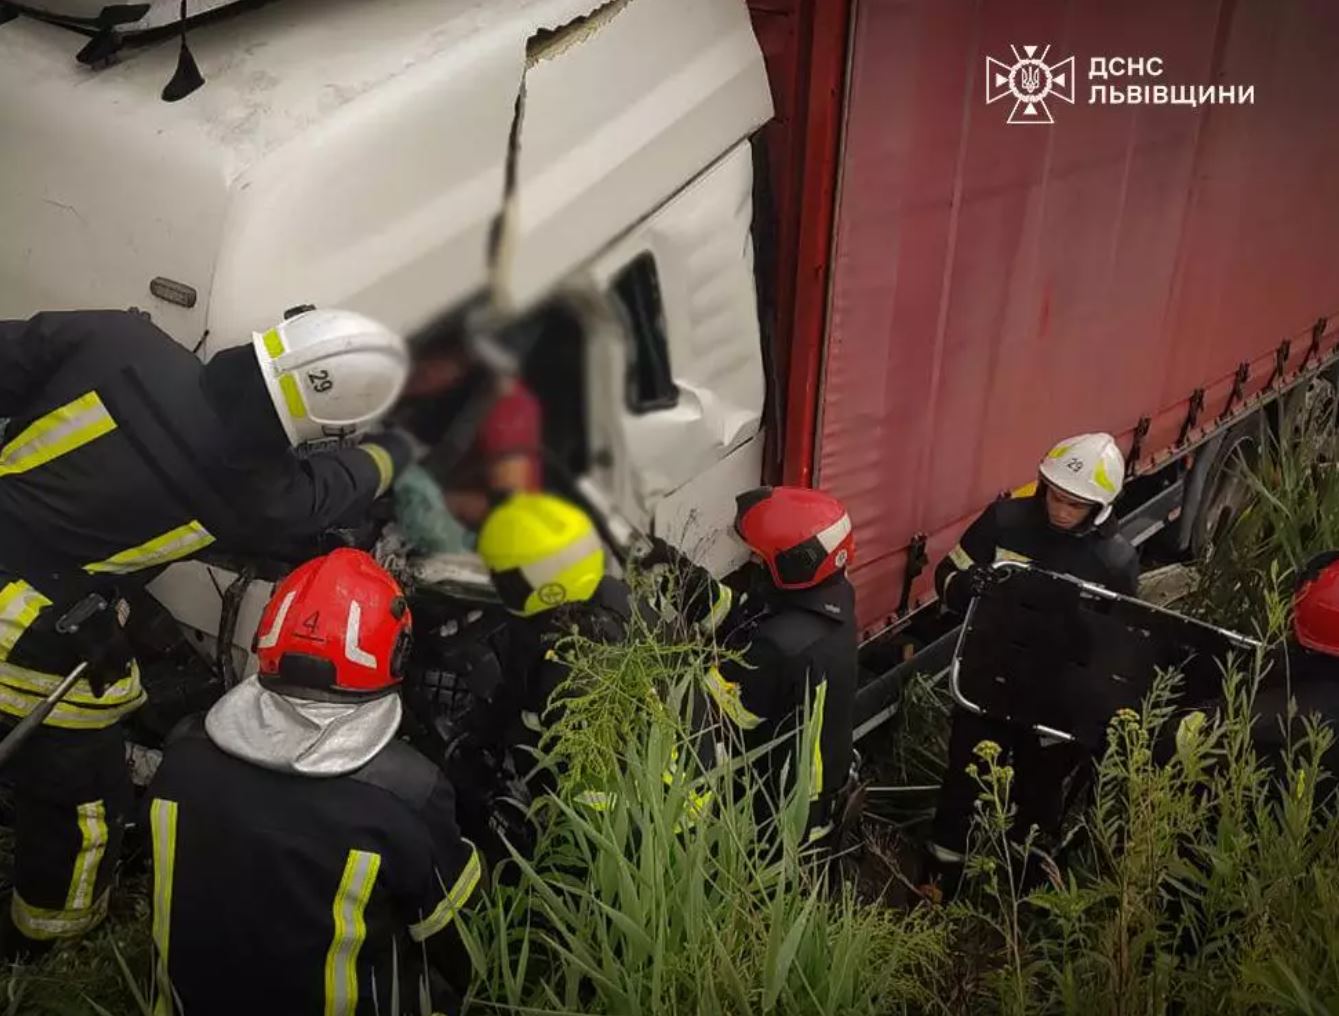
(650, 384)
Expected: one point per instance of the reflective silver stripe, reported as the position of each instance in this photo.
(960, 558)
(163, 831)
(170, 546)
(835, 533)
(341, 962)
(62, 430)
(93, 836)
(352, 651)
(271, 637)
(44, 925)
(541, 573)
(40, 684)
(456, 897)
(69, 715)
(1010, 555)
(20, 604)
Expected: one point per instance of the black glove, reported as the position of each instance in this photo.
(684, 590)
(980, 579)
(95, 630)
(967, 585)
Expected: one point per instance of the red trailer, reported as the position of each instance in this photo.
(955, 292)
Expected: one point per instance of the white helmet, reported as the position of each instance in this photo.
(332, 374)
(1089, 467)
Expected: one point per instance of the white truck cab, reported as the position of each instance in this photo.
(402, 158)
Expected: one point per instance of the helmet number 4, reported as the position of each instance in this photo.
(321, 381)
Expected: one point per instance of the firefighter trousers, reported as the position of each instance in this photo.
(72, 795)
(1042, 776)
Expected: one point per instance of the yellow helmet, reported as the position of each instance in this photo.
(542, 552)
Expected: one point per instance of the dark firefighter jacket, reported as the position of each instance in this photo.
(120, 457)
(803, 644)
(506, 719)
(1309, 679)
(279, 893)
(1018, 530)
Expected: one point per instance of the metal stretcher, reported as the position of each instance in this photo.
(1061, 656)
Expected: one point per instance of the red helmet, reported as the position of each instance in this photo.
(1316, 604)
(339, 623)
(804, 535)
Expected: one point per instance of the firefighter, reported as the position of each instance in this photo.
(547, 564)
(1305, 671)
(123, 453)
(304, 859)
(796, 628)
(1065, 527)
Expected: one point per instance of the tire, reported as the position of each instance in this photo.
(1225, 489)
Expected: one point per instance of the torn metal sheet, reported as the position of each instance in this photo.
(340, 152)
(593, 160)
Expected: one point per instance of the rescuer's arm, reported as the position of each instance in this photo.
(30, 351)
(1122, 560)
(456, 877)
(306, 496)
(954, 577)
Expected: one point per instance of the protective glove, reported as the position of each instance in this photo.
(683, 590)
(966, 586)
(94, 628)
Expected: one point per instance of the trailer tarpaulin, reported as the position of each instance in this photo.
(997, 286)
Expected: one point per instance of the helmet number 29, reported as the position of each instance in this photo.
(321, 381)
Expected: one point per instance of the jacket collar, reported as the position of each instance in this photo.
(298, 736)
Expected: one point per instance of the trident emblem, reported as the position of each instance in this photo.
(1030, 81)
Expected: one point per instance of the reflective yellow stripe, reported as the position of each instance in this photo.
(1003, 554)
(726, 695)
(60, 431)
(816, 767)
(1058, 451)
(20, 604)
(40, 684)
(960, 558)
(288, 384)
(170, 546)
(720, 609)
(456, 898)
(93, 835)
(385, 465)
(273, 344)
(66, 715)
(1101, 479)
(43, 925)
(1027, 490)
(341, 962)
(163, 831)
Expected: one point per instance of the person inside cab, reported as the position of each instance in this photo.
(304, 859)
(123, 453)
(796, 630)
(1065, 527)
(504, 455)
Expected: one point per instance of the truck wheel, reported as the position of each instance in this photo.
(1226, 490)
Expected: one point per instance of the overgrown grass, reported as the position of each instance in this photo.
(1203, 882)
(1291, 514)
